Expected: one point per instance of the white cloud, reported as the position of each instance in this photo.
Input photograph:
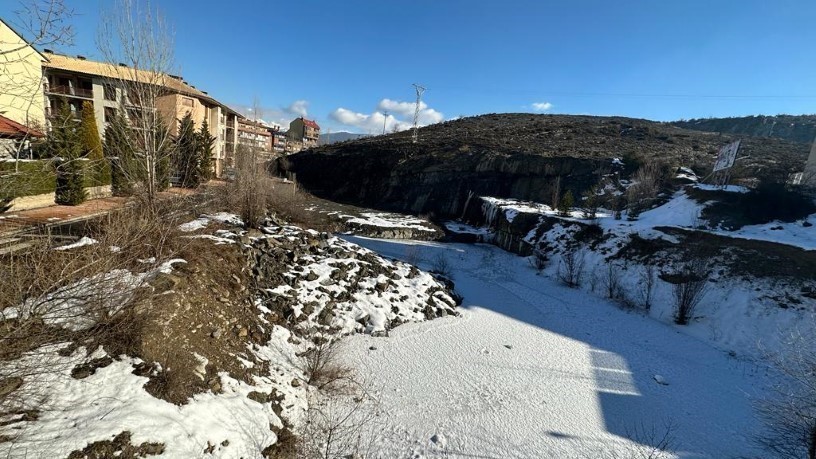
(542, 106)
(369, 123)
(400, 116)
(299, 107)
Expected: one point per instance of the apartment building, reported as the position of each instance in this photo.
(279, 140)
(76, 79)
(20, 79)
(254, 134)
(305, 132)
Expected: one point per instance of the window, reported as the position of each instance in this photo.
(186, 101)
(110, 114)
(110, 92)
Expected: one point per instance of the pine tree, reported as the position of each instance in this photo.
(566, 203)
(205, 151)
(119, 154)
(65, 145)
(186, 156)
(97, 167)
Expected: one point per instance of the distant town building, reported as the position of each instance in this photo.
(307, 132)
(254, 134)
(279, 140)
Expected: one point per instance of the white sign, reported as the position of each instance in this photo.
(727, 156)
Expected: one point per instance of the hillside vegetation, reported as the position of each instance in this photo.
(517, 155)
(794, 128)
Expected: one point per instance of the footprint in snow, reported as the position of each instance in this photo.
(660, 380)
(485, 351)
(439, 440)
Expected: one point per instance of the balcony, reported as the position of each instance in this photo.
(71, 91)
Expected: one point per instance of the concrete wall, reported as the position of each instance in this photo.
(21, 96)
(47, 199)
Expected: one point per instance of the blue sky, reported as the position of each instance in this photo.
(344, 62)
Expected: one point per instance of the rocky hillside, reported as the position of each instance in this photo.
(514, 155)
(794, 128)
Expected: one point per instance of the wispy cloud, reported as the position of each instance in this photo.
(542, 106)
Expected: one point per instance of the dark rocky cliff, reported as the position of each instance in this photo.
(511, 155)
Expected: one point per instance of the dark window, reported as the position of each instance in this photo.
(110, 114)
(110, 92)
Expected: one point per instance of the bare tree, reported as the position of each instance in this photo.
(43, 24)
(571, 268)
(689, 288)
(137, 44)
(647, 277)
(790, 412)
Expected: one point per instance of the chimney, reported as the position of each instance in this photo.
(49, 51)
(122, 64)
(81, 57)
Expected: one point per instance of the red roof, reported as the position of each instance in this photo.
(10, 128)
(310, 123)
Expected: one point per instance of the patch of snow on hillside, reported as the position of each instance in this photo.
(388, 220)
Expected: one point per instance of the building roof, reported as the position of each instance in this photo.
(104, 69)
(12, 129)
(310, 123)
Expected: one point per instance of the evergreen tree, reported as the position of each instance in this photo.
(566, 203)
(97, 167)
(186, 158)
(119, 153)
(65, 145)
(205, 146)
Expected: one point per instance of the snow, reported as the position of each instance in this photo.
(388, 220)
(204, 220)
(85, 240)
(113, 400)
(534, 369)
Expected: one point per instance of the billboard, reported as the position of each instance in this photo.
(727, 156)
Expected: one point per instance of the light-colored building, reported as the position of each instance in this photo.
(304, 131)
(21, 98)
(75, 79)
(15, 138)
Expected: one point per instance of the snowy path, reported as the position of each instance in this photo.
(533, 369)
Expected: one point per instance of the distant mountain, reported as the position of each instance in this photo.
(795, 128)
(335, 137)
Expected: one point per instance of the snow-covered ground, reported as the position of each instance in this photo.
(534, 369)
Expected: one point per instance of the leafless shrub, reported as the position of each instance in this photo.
(790, 411)
(652, 442)
(645, 187)
(86, 295)
(248, 193)
(322, 368)
(646, 282)
(442, 266)
(340, 427)
(571, 267)
(612, 281)
(689, 288)
(539, 259)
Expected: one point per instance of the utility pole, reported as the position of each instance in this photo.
(419, 91)
(385, 119)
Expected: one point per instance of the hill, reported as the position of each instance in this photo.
(517, 155)
(795, 128)
(334, 137)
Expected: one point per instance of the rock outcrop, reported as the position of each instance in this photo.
(512, 155)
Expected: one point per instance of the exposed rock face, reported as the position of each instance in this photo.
(512, 155)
